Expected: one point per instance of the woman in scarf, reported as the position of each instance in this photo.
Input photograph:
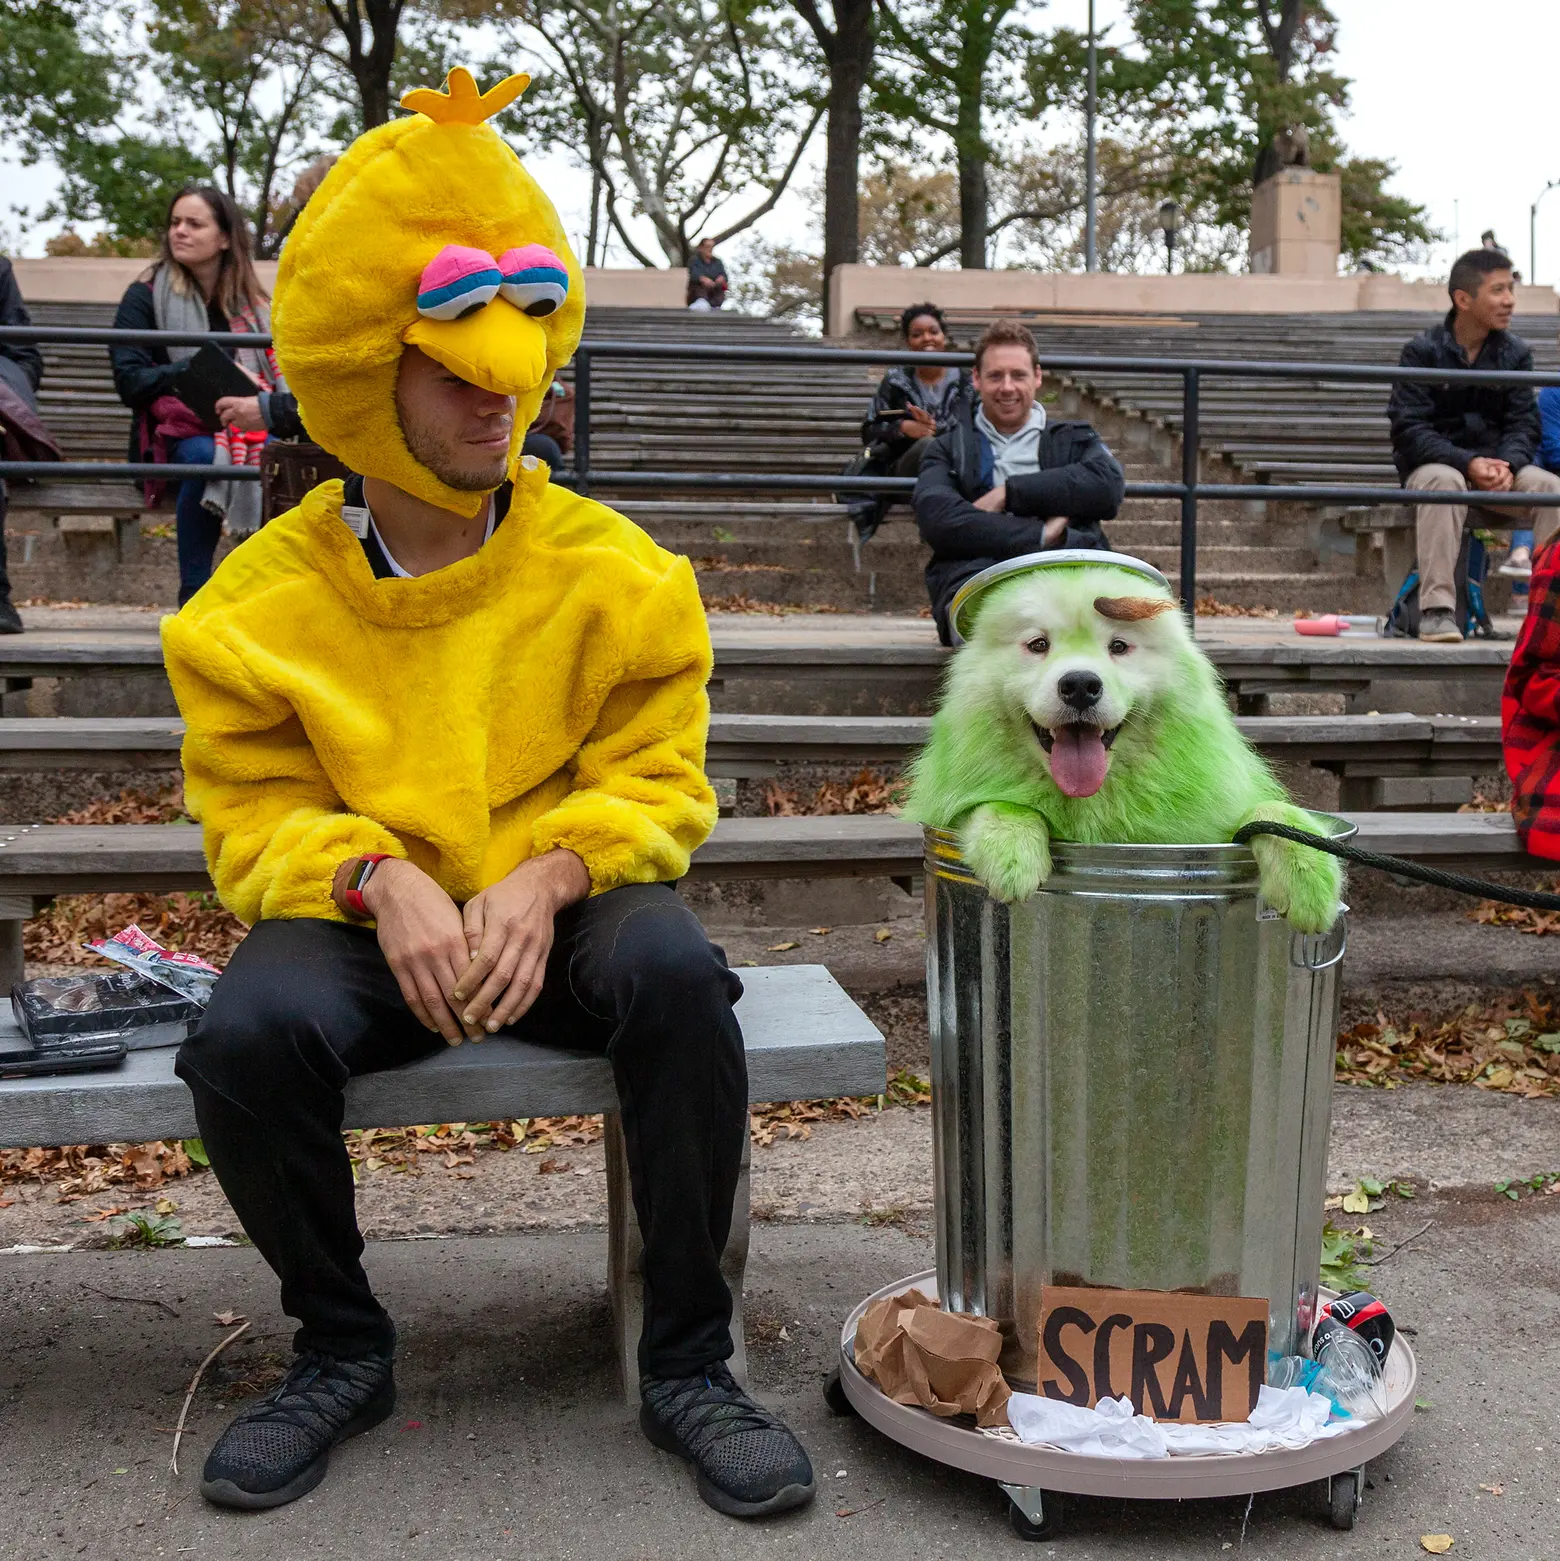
(204, 280)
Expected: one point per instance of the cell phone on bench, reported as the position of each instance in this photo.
(26, 1062)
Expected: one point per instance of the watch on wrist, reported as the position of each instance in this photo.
(357, 879)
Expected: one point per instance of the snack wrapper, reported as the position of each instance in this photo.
(187, 974)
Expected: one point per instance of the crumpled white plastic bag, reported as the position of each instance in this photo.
(1283, 1417)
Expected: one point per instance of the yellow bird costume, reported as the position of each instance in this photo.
(548, 691)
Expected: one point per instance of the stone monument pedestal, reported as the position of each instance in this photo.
(1296, 223)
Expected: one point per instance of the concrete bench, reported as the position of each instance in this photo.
(40, 861)
(805, 1038)
(1381, 761)
(99, 522)
(761, 671)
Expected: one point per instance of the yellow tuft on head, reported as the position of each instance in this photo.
(460, 103)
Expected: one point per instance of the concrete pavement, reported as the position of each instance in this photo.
(510, 1439)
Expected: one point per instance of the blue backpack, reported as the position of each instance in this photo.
(1470, 613)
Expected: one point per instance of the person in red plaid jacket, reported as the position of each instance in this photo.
(1530, 713)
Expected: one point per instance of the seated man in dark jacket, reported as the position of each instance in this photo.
(1001, 481)
(1456, 437)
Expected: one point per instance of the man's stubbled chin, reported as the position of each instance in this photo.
(1079, 755)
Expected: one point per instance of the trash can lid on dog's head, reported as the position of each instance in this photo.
(961, 610)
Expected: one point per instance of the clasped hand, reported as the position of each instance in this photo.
(1490, 474)
(469, 973)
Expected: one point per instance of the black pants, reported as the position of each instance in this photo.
(305, 1005)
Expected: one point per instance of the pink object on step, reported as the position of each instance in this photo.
(1335, 623)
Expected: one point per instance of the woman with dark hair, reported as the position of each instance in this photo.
(204, 280)
(910, 408)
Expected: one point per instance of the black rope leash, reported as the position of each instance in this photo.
(1534, 899)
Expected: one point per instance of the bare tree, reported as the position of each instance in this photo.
(847, 51)
(679, 108)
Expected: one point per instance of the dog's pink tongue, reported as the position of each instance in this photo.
(1078, 760)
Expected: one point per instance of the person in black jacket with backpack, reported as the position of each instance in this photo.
(21, 372)
(1002, 481)
(1452, 437)
(910, 407)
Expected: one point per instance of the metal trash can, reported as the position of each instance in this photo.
(1132, 1084)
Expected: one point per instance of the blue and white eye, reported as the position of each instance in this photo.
(535, 280)
(456, 282)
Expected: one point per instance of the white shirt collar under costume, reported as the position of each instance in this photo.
(1016, 454)
(390, 558)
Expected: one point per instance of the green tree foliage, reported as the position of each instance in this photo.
(693, 116)
(950, 67)
(1378, 226)
(245, 82)
(1219, 86)
(64, 92)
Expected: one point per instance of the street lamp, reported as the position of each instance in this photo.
(1533, 233)
(1090, 182)
(1170, 225)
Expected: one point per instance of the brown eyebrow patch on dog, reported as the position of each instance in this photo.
(1131, 609)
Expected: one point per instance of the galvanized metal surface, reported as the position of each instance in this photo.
(1132, 1085)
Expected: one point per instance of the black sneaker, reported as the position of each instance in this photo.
(278, 1449)
(10, 618)
(749, 1465)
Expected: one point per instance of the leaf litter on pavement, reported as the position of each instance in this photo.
(80, 1170)
(1510, 1045)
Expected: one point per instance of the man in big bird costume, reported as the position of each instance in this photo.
(446, 730)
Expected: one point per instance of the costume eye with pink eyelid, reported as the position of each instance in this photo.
(458, 281)
(535, 280)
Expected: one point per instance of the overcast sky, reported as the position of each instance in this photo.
(1468, 122)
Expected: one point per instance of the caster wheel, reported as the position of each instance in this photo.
(1049, 1526)
(834, 1395)
(1343, 1499)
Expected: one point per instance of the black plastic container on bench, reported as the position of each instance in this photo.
(65, 1013)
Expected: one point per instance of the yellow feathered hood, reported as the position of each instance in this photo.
(391, 250)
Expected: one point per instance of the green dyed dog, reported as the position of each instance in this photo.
(1080, 709)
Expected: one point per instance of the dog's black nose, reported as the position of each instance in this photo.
(1081, 690)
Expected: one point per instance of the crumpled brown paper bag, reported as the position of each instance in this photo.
(944, 1361)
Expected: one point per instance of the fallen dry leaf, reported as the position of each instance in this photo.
(820, 932)
(227, 1319)
(552, 1167)
(1436, 1544)
(1511, 1045)
(882, 935)
(781, 948)
(166, 1206)
(869, 792)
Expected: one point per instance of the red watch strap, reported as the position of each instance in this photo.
(362, 870)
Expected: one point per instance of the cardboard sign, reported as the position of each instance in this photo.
(1176, 1356)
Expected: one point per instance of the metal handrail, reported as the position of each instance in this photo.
(1190, 371)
